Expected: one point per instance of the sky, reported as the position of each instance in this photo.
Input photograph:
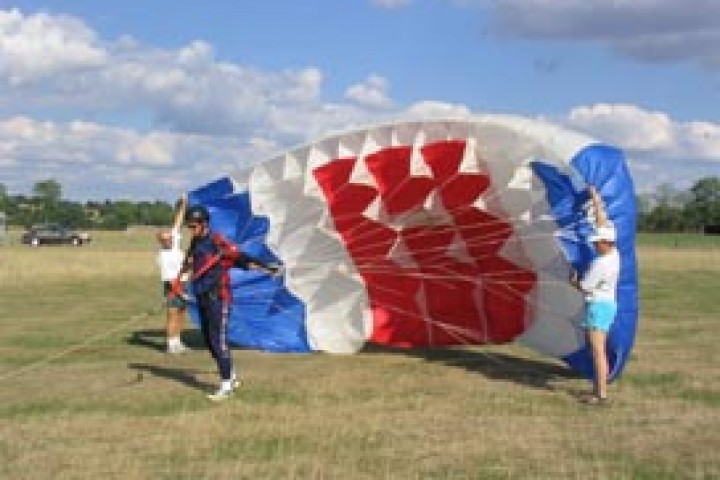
(144, 100)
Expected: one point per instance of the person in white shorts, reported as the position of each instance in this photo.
(170, 259)
(598, 285)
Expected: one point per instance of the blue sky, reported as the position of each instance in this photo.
(143, 100)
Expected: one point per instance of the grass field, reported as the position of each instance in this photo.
(85, 391)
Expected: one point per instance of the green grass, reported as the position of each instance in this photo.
(661, 380)
(261, 448)
(705, 396)
(678, 240)
(680, 294)
(86, 393)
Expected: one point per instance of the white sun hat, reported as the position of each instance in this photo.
(604, 232)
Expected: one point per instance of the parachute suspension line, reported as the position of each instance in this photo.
(454, 230)
(429, 250)
(370, 245)
(364, 237)
(497, 276)
(462, 334)
(373, 267)
(88, 341)
(490, 194)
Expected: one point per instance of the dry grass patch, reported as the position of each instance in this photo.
(679, 259)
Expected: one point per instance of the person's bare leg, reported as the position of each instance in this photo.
(175, 317)
(597, 340)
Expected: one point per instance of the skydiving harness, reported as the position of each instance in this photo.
(229, 256)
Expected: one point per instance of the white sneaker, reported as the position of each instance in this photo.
(177, 348)
(236, 382)
(220, 395)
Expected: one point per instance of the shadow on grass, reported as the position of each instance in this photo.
(180, 375)
(493, 365)
(154, 338)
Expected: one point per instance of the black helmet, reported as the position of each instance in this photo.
(197, 213)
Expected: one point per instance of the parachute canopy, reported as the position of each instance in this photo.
(418, 234)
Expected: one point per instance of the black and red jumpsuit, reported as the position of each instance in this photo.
(212, 256)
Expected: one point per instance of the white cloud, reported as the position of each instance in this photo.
(649, 134)
(76, 143)
(659, 149)
(435, 109)
(263, 144)
(36, 47)
(152, 149)
(390, 3)
(197, 54)
(191, 118)
(647, 30)
(298, 125)
(305, 85)
(373, 92)
(703, 139)
(626, 125)
(185, 89)
(92, 159)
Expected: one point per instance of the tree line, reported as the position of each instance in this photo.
(46, 205)
(672, 210)
(665, 210)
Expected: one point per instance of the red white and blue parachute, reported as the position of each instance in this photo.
(424, 234)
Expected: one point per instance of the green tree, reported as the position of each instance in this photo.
(703, 208)
(120, 214)
(665, 212)
(48, 191)
(71, 214)
(4, 200)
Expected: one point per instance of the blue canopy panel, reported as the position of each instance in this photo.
(606, 169)
(264, 314)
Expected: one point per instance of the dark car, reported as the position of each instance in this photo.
(53, 234)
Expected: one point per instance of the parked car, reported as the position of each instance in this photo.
(53, 234)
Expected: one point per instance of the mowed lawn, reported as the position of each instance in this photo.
(85, 391)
